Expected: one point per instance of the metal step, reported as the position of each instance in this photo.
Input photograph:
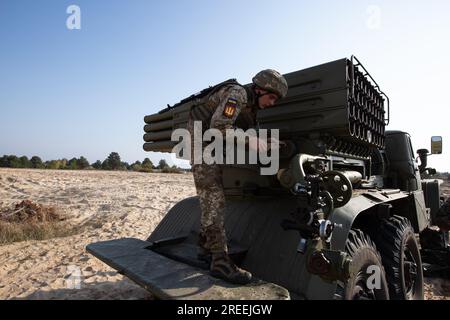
(169, 279)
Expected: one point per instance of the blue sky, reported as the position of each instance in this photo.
(66, 93)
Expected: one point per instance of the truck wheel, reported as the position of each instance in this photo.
(401, 258)
(367, 278)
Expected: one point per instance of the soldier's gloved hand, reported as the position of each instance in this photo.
(256, 144)
(275, 144)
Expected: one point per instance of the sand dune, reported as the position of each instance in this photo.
(107, 205)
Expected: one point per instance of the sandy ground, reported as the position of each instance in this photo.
(109, 205)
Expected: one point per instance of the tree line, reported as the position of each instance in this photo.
(112, 162)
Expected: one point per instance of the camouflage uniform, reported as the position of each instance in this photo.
(221, 111)
(227, 106)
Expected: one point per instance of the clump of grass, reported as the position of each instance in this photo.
(171, 170)
(31, 221)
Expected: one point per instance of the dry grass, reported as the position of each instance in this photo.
(31, 221)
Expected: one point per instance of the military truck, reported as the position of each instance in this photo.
(347, 216)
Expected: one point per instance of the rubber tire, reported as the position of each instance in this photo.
(394, 236)
(363, 253)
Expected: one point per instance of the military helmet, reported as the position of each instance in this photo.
(271, 81)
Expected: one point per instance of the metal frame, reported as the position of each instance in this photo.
(359, 64)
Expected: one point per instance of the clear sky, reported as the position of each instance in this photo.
(66, 93)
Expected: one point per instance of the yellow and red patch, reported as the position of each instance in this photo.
(230, 108)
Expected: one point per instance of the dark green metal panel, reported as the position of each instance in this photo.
(169, 279)
(431, 190)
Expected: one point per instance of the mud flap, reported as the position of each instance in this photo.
(169, 279)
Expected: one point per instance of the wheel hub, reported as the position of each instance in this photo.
(410, 272)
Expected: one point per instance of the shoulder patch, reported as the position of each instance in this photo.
(230, 108)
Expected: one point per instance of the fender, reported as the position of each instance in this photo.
(347, 214)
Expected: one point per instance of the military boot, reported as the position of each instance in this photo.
(224, 268)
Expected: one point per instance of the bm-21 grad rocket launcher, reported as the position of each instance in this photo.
(347, 201)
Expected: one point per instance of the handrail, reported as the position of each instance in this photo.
(386, 120)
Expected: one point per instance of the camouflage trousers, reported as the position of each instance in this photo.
(208, 182)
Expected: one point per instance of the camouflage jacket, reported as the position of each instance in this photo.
(230, 106)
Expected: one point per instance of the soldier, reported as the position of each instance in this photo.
(228, 106)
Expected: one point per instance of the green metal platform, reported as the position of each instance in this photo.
(170, 279)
